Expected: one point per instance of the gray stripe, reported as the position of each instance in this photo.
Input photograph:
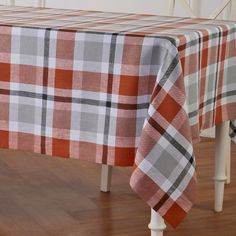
(212, 100)
(187, 155)
(210, 36)
(179, 147)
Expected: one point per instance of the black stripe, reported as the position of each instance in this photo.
(93, 102)
(189, 156)
(85, 101)
(166, 76)
(211, 36)
(232, 130)
(171, 140)
(169, 71)
(44, 95)
(109, 96)
(212, 100)
(180, 148)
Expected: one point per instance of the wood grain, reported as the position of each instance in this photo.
(42, 196)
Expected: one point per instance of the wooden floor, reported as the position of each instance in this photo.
(42, 196)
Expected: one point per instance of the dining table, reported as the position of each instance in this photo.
(118, 89)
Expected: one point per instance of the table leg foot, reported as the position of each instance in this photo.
(228, 162)
(106, 175)
(221, 154)
(157, 224)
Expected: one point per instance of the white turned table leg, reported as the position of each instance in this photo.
(228, 169)
(157, 224)
(221, 153)
(228, 157)
(106, 178)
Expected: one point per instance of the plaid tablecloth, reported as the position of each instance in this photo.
(119, 89)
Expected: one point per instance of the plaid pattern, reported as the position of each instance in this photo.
(117, 89)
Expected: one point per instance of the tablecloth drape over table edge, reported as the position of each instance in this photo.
(166, 137)
(167, 132)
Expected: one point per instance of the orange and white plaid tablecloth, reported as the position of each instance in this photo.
(118, 89)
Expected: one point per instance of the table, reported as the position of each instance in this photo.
(117, 89)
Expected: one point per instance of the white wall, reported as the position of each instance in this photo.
(137, 6)
(201, 7)
(206, 7)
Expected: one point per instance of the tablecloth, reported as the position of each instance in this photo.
(119, 89)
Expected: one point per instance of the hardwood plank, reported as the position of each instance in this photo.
(60, 197)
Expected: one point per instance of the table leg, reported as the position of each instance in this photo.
(106, 178)
(228, 160)
(157, 224)
(222, 155)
